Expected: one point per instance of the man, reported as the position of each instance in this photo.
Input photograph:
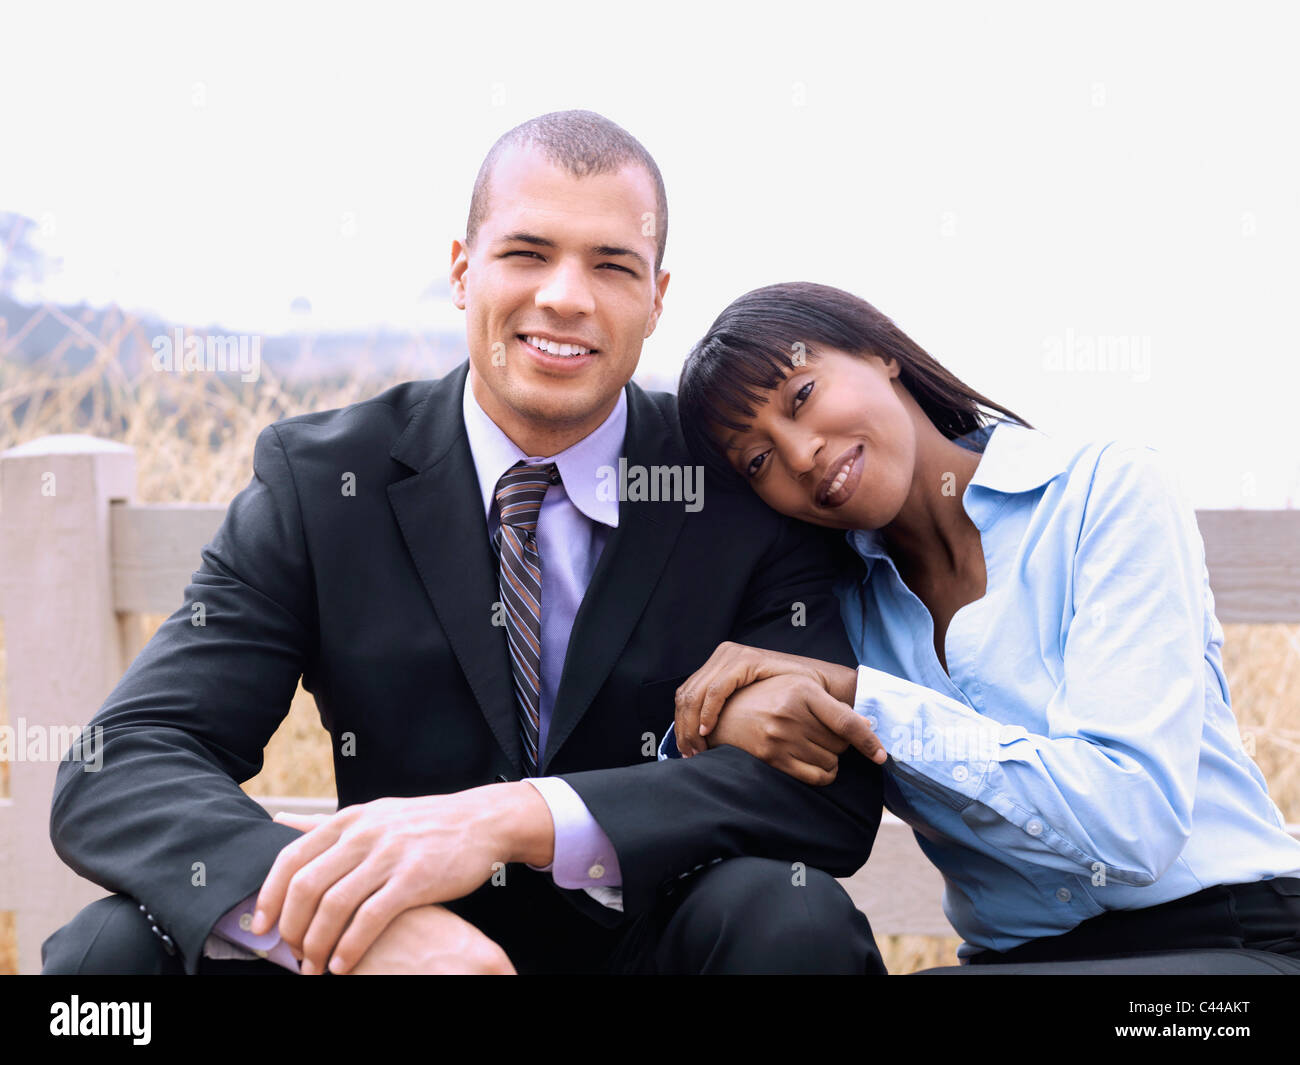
(493, 756)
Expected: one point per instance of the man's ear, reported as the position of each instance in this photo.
(459, 264)
(661, 286)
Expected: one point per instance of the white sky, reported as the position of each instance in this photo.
(1004, 180)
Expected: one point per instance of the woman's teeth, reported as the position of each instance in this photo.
(842, 476)
(552, 348)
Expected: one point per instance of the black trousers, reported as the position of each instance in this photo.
(743, 915)
(1230, 928)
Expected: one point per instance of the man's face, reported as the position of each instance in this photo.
(559, 292)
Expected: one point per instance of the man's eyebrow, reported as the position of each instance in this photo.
(528, 238)
(598, 249)
(614, 250)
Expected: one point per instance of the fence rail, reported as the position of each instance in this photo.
(78, 558)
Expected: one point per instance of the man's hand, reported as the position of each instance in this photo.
(433, 941)
(792, 724)
(730, 668)
(335, 889)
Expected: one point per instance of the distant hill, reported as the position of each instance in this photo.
(294, 357)
(291, 355)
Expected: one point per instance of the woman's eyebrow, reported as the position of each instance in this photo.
(731, 444)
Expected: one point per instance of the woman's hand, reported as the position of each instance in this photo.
(731, 667)
(794, 725)
(431, 940)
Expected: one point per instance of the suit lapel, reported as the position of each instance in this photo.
(440, 513)
(628, 570)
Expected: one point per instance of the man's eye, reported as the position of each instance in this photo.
(616, 266)
(754, 464)
(802, 395)
(532, 253)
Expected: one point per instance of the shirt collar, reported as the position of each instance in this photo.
(1015, 459)
(579, 464)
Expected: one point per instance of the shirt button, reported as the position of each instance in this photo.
(245, 921)
(1034, 828)
(260, 952)
(1063, 894)
(871, 723)
(960, 773)
(596, 871)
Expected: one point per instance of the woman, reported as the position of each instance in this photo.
(1040, 656)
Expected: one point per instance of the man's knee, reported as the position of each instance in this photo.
(110, 936)
(760, 915)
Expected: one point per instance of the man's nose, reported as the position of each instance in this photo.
(566, 290)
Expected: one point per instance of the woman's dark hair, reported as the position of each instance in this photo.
(753, 345)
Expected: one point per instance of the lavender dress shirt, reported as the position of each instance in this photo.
(572, 528)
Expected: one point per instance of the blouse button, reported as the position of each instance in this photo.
(1034, 828)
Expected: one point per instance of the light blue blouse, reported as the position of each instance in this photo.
(1080, 755)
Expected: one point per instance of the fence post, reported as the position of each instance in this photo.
(63, 650)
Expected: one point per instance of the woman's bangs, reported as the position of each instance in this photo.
(722, 387)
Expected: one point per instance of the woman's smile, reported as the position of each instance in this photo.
(841, 480)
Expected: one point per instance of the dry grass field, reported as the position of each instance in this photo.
(194, 436)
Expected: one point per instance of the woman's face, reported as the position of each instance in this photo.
(834, 444)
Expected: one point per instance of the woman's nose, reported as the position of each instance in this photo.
(800, 452)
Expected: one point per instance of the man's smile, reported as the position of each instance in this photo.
(555, 354)
(562, 346)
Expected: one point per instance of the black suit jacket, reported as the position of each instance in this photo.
(381, 599)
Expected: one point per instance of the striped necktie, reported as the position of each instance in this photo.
(519, 499)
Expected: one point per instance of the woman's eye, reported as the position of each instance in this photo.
(754, 464)
(802, 394)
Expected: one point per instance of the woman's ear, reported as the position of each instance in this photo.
(890, 363)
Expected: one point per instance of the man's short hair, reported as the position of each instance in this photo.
(583, 143)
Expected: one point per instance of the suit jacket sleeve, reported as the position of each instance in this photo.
(163, 819)
(725, 802)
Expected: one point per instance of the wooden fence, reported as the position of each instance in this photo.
(79, 558)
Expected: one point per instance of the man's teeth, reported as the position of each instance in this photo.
(552, 348)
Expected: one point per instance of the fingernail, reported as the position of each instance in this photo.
(307, 968)
(259, 923)
(336, 965)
